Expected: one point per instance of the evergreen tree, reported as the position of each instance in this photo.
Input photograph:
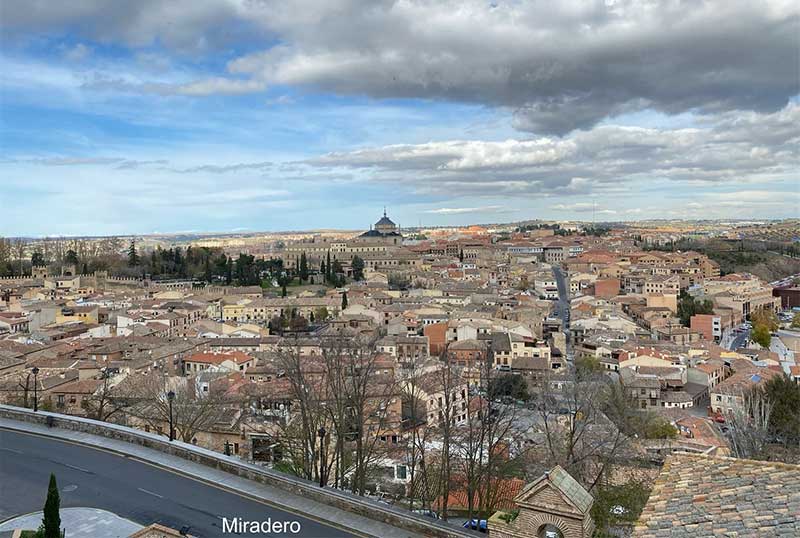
(38, 259)
(283, 289)
(133, 256)
(358, 268)
(71, 258)
(323, 271)
(328, 274)
(344, 300)
(303, 267)
(51, 520)
(461, 255)
(85, 269)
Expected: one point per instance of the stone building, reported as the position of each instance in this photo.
(555, 505)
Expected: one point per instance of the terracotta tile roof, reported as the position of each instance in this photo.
(697, 495)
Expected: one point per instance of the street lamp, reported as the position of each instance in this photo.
(321, 434)
(35, 389)
(170, 397)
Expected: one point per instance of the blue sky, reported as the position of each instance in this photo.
(132, 118)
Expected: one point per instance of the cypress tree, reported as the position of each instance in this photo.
(51, 520)
(328, 273)
(344, 300)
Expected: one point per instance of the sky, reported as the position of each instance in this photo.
(253, 115)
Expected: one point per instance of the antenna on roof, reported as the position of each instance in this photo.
(384, 211)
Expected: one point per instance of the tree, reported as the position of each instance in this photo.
(71, 258)
(761, 336)
(358, 268)
(796, 320)
(784, 421)
(688, 307)
(37, 260)
(344, 300)
(133, 256)
(509, 386)
(748, 425)
(191, 412)
(51, 519)
(303, 267)
(765, 317)
(329, 269)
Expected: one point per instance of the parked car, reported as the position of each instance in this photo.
(480, 525)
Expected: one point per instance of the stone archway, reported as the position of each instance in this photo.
(542, 523)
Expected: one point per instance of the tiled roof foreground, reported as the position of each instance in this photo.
(698, 496)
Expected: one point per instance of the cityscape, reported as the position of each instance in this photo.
(399, 269)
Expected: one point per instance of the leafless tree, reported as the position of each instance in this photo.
(104, 403)
(748, 424)
(191, 412)
(299, 436)
(19, 246)
(577, 433)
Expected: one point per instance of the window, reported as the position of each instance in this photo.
(400, 472)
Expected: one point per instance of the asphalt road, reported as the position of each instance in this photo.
(740, 340)
(562, 307)
(129, 488)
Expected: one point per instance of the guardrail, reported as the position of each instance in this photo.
(389, 515)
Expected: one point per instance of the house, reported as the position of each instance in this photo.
(233, 361)
(728, 396)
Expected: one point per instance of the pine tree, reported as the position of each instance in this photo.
(323, 271)
(51, 520)
(344, 300)
(358, 268)
(133, 256)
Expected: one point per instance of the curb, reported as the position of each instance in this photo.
(205, 481)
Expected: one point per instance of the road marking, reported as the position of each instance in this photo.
(11, 450)
(150, 493)
(81, 469)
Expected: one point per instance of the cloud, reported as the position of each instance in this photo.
(558, 66)
(604, 159)
(222, 169)
(463, 210)
(195, 88)
(77, 53)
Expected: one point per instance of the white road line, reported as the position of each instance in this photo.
(11, 450)
(150, 493)
(77, 468)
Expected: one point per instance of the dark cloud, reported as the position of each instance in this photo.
(558, 65)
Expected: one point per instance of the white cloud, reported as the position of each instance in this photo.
(463, 210)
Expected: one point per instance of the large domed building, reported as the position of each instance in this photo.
(384, 231)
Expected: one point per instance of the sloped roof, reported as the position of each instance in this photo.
(563, 482)
(699, 495)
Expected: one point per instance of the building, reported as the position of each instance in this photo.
(701, 495)
(554, 505)
(709, 325)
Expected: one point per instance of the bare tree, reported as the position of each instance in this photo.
(191, 412)
(104, 403)
(577, 433)
(299, 436)
(748, 424)
(19, 246)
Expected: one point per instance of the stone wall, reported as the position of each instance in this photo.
(351, 503)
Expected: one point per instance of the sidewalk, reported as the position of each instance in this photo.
(79, 523)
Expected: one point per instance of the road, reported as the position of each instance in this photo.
(739, 341)
(129, 488)
(562, 306)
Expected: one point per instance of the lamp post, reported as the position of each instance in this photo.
(170, 397)
(35, 389)
(321, 434)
